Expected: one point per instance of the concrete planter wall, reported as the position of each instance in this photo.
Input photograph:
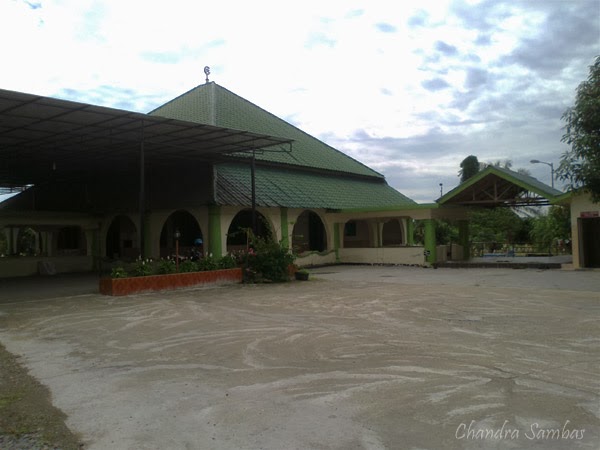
(133, 285)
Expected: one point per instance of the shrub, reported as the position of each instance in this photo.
(143, 267)
(267, 260)
(208, 263)
(188, 266)
(167, 266)
(228, 262)
(118, 272)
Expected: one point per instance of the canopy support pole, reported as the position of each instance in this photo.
(253, 178)
(142, 200)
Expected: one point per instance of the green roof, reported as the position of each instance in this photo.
(519, 181)
(278, 186)
(214, 105)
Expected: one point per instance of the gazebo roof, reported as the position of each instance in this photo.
(496, 186)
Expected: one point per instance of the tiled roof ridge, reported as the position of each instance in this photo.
(216, 105)
(180, 96)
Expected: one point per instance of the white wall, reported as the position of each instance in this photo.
(383, 255)
(315, 259)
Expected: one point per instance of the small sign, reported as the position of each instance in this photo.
(427, 252)
(588, 214)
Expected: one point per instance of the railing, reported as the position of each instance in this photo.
(479, 249)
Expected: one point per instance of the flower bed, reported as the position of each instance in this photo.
(133, 285)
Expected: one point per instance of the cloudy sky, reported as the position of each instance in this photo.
(408, 88)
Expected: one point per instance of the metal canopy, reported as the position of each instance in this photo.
(41, 137)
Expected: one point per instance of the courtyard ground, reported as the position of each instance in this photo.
(357, 358)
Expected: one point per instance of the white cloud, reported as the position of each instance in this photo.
(425, 83)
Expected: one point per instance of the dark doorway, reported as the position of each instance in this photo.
(392, 233)
(121, 239)
(237, 236)
(189, 231)
(589, 241)
(309, 233)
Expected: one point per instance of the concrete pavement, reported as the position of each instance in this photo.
(357, 358)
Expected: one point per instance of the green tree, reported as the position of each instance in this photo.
(445, 232)
(468, 167)
(580, 166)
(547, 229)
(495, 226)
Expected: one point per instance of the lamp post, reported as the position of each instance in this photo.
(536, 161)
(177, 236)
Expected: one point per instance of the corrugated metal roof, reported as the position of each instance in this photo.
(215, 105)
(42, 138)
(277, 186)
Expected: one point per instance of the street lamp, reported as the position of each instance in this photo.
(177, 236)
(536, 161)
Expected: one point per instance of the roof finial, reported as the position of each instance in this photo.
(207, 72)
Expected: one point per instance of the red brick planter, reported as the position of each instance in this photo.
(126, 286)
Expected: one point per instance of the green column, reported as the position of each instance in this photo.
(430, 241)
(410, 232)
(285, 240)
(463, 238)
(336, 240)
(214, 231)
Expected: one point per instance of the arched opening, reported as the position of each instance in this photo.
(309, 233)
(121, 239)
(392, 233)
(357, 234)
(237, 238)
(29, 242)
(190, 234)
(70, 241)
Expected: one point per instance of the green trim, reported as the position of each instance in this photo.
(214, 231)
(417, 206)
(285, 239)
(430, 244)
(565, 198)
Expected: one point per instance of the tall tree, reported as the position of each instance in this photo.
(468, 167)
(580, 166)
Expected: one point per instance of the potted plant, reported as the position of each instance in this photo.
(301, 275)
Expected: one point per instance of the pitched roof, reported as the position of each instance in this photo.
(214, 105)
(278, 186)
(496, 186)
